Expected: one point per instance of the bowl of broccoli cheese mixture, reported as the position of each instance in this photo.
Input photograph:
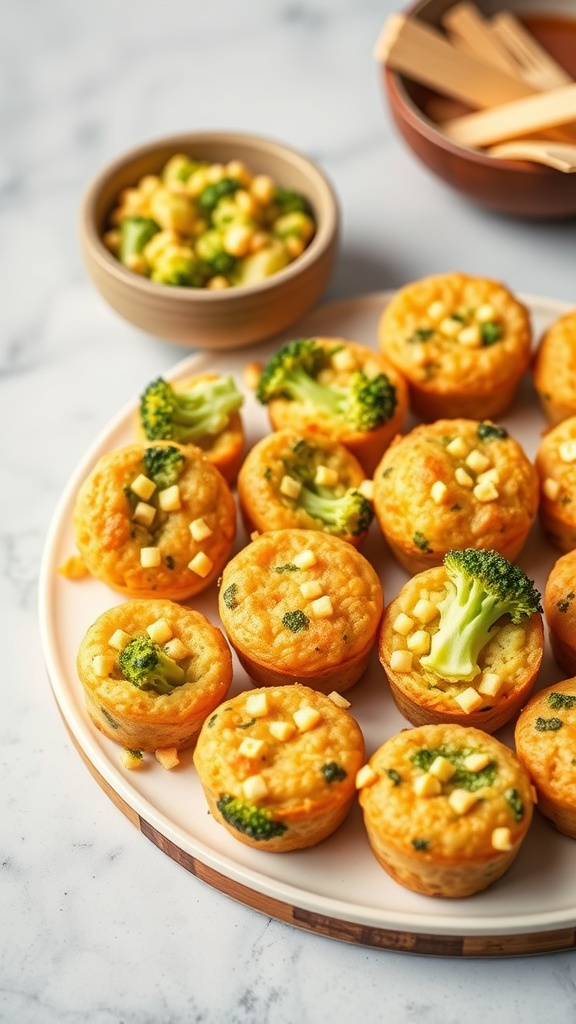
(210, 239)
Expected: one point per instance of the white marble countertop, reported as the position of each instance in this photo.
(98, 925)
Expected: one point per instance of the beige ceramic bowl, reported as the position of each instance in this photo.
(512, 187)
(197, 317)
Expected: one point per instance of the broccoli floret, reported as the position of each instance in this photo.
(295, 621)
(210, 249)
(289, 201)
(135, 233)
(144, 664)
(163, 465)
(252, 821)
(203, 409)
(351, 514)
(486, 586)
(178, 266)
(291, 373)
(213, 193)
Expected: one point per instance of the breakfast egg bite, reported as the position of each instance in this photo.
(554, 369)
(556, 467)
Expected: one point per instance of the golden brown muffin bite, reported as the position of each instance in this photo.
(545, 738)
(278, 766)
(560, 611)
(152, 671)
(364, 407)
(302, 480)
(202, 410)
(446, 808)
(454, 483)
(155, 520)
(301, 606)
(556, 467)
(462, 342)
(430, 684)
(554, 369)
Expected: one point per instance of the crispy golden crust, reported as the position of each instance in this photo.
(560, 611)
(142, 719)
(110, 541)
(514, 654)
(545, 738)
(223, 450)
(556, 467)
(420, 529)
(262, 503)
(367, 446)
(421, 841)
(259, 588)
(554, 369)
(308, 801)
(446, 376)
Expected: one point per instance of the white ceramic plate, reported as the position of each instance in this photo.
(337, 887)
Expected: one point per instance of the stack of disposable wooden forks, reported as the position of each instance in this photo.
(523, 102)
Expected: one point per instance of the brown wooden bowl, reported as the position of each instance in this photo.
(514, 187)
(198, 317)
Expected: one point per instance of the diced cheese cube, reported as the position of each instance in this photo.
(476, 762)
(461, 800)
(144, 513)
(457, 448)
(490, 684)
(419, 642)
(477, 461)
(251, 747)
(168, 757)
(469, 699)
(201, 564)
(365, 776)
(306, 717)
(282, 730)
(463, 478)
(485, 491)
(339, 700)
(427, 785)
(290, 487)
(344, 359)
(257, 705)
(436, 311)
(255, 788)
(322, 608)
(176, 650)
(304, 559)
(159, 631)
(442, 768)
(485, 312)
(367, 489)
(119, 639)
(200, 530)
(567, 450)
(150, 558)
(169, 499)
(450, 327)
(489, 474)
(311, 589)
(439, 492)
(102, 665)
(326, 476)
(502, 839)
(401, 661)
(551, 488)
(470, 336)
(143, 487)
(425, 611)
(403, 624)
(251, 375)
(371, 368)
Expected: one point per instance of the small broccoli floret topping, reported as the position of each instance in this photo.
(163, 465)
(229, 596)
(485, 587)
(289, 201)
(560, 701)
(252, 821)
(515, 802)
(291, 373)
(490, 432)
(295, 621)
(135, 233)
(351, 514)
(333, 772)
(202, 410)
(548, 724)
(144, 664)
(213, 193)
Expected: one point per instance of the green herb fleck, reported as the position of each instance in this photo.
(548, 724)
(109, 719)
(229, 596)
(333, 772)
(421, 334)
(490, 332)
(170, 563)
(421, 542)
(386, 472)
(514, 801)
(490, 432)
(267, 473)
(420, 844)
(393, 775)
(211, 720)
(295, 621)
(564, 603)
(561, 700)
(288, 567)
(246, 725)
(135, 753)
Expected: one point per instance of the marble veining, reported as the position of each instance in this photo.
(97, 925)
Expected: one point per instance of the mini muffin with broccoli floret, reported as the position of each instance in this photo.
(463, 642)
(278, 766)
(454, 483)
(446, 808)
(203, 410)
(152, 671)
(545, 738)
(339, 388)
(305, 480)
(301, 606)
(155, 520)
(462, 342)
